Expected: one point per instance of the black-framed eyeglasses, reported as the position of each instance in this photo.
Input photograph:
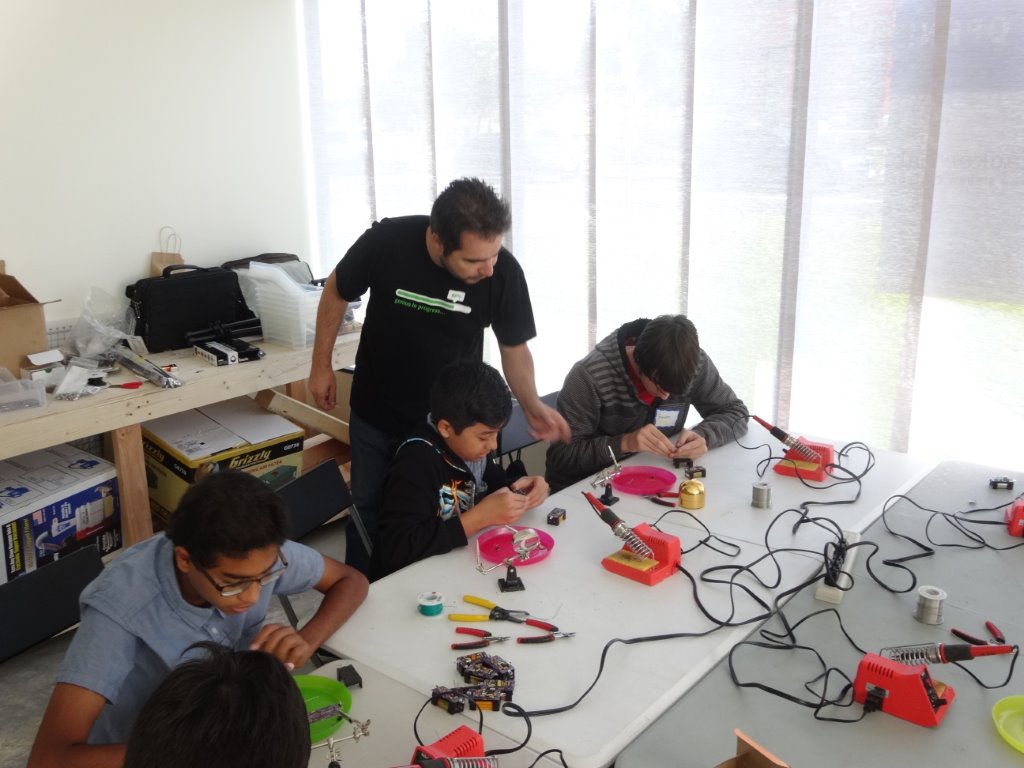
(238, 587)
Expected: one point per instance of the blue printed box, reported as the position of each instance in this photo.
(53, 502)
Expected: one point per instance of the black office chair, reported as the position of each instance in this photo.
(311, 500)
(516, 436)
(41, 603)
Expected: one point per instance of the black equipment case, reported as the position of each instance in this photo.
(184, 298)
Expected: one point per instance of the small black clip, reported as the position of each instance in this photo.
(511, 581)
(607, 498)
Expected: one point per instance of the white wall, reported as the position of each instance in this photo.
(118, 117)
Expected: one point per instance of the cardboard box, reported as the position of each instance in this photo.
(53, 502)
(750, 754)
(234, 434)
(22, 324)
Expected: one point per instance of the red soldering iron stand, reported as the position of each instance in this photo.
(795, 464)
(667, 557)
(902, 690)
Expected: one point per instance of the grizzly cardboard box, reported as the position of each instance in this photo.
(52, 502)
(22, 325)
(234, 434)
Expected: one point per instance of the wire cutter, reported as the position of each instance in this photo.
(486, 638)
(997, 636)
(544, 638)
(497, 613)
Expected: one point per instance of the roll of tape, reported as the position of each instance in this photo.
(929, 605)
(430, 603)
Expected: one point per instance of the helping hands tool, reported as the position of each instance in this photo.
(497, 613)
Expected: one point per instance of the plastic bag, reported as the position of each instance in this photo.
(104, 321)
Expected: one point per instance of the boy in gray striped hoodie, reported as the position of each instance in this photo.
(632, 393)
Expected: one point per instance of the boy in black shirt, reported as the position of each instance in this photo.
(442, 487)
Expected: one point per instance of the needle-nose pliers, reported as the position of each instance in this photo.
(486, 638)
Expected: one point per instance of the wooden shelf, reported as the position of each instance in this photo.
(122, 411)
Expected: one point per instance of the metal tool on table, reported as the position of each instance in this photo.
(803, 459)
(648, 555)
(943, 653)
(997, 636)
(896, 680)
(497, 613)
(139, 365)
(619, 528)
(604, 479)
(486, 638)
(789, 441)
(525, 541)
(549, 637)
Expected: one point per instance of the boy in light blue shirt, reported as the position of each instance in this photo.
(209, 577)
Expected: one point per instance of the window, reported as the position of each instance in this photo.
(829, 190)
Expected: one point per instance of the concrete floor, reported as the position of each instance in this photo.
(27, 680)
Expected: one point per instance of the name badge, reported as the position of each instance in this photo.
(666, 418)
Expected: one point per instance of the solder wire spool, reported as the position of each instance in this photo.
(929, 604)
(430, 603)
(762, 496)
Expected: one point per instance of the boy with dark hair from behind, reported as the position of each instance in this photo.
(230, 709)
(209, 577)
(442, 486)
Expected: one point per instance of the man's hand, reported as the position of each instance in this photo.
(329, 315)
(535, 489)
(284, 643)
(648, 439)
(690, 445)
(545, 423)
(323, 386)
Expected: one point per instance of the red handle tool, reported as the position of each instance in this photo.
(541, 625)
(544, 638)
(486, 639)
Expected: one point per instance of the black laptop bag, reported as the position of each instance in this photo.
(184, 299)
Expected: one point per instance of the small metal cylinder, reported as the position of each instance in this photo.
(691, 494)
(929, 605)
(762, 496)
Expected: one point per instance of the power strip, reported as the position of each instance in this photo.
(834, 595)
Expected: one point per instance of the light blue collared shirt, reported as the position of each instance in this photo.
(136, 627)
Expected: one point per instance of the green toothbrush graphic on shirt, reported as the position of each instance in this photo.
(432, 302)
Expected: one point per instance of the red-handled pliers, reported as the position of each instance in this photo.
(544, 638)
(486, 639)
(498, 613)
(997, 636)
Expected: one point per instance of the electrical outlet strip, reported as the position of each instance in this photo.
(834, 595)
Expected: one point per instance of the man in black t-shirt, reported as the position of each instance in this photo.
(435, 283)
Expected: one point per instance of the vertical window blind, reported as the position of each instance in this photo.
(832, 191)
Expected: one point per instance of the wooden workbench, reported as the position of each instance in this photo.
(121, 412)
